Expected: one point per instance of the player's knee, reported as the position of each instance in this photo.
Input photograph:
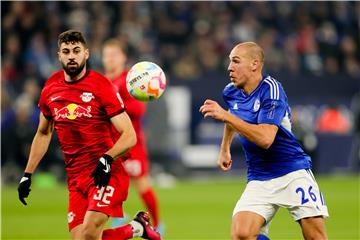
(242, 233)
(90, 232)
(316, 234)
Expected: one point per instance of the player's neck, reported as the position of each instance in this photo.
(252, 83)
(114, 74)
(68, 78)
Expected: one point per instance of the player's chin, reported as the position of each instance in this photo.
(237, 85)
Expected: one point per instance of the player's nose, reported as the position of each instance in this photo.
(71, 56)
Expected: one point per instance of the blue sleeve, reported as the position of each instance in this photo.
(227, 94)
(273, 105)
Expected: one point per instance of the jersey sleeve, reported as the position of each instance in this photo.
(273, 103)
(111, 99)
(44, 108)
(227, 94)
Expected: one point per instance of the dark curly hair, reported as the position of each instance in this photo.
(71, 36)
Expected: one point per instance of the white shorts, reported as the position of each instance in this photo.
(297, 191)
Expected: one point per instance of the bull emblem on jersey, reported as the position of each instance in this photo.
(72, 111)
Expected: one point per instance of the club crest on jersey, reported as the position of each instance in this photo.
(71, 217)
(87, 96)
(256, 105)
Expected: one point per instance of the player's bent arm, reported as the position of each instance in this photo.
(40, 143)
(262, 135)
(228, 137)
(127, 140)
(224, 159)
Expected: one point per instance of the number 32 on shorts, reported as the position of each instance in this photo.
(104, 193)
(309, 194)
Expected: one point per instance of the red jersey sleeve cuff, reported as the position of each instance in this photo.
(48, 117)
(116, 113)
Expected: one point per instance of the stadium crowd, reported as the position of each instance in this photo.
(186, 38)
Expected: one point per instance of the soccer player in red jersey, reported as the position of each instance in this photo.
(82, 105)
(137, 166)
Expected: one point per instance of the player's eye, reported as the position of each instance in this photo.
(65, 51)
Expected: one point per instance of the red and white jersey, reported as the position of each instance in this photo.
(81, 112)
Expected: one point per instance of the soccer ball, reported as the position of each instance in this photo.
(146, 81)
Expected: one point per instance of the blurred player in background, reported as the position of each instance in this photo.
(137, 165)
(82, 105)
(279, 171)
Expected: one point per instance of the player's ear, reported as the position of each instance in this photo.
(255, 64)
(87, 53)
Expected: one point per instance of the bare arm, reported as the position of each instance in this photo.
(224, 159)
(127, 139)
(228, 137)
(262, 135)
(40, 143)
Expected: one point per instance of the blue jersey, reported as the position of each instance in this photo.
(267, 104)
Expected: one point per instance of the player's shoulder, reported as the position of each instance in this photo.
(54, 79)
(99, 79)
(271, 88)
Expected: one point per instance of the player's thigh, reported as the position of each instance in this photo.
(313, 227)
(302, 196)
(253, 212)
(76, 210)
(109, 199)
(246, 224)
(76, 232)
(142, 184)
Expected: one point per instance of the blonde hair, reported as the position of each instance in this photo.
(116, 43)
(254, 51)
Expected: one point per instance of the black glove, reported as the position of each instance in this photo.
(24, 187)
(102, 171)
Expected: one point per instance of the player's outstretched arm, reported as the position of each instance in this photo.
(38, 149)
(224, 159)
(262, 135)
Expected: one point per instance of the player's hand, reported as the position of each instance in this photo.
(224, 161)
(212, 109)
(102, 172)
(24, 187)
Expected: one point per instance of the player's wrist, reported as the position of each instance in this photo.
(225, 117)
(108, 158)
(27, 174)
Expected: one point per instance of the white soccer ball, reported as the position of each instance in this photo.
(146, 81)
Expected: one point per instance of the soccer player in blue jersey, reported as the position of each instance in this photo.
(279, 171)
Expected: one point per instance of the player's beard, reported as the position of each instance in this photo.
(72, 70)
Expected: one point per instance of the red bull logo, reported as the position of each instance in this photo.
(72, 111)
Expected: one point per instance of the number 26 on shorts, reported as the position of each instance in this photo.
(309, 194)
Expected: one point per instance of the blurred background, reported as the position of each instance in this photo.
(313, 49)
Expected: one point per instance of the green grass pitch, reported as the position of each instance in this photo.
(191, 210)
